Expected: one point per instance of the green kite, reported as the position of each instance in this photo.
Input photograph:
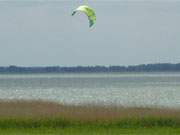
(89, 12)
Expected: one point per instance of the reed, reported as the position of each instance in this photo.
(39, 117)
(40, 114)
(42, 109)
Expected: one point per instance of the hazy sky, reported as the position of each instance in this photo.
(39, 33)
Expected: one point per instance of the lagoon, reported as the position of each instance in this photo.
(152, 89)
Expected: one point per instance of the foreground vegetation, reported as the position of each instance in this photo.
(41, 118)
(91, 131)
(148, 126)
(63, 127)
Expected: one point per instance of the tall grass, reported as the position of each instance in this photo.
(37, 114)
(60, 123)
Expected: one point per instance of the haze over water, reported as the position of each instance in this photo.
(122, 89)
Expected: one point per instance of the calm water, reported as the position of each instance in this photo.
(127, 89)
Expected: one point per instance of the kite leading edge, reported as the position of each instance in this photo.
(89, 12)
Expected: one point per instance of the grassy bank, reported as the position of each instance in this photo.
(91, 131)
(61, 123)
(65, 127)
(36, 117)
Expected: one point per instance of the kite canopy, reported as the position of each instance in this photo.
(89, 12)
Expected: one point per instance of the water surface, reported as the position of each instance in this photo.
(127, 89)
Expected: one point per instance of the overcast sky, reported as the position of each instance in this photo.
(40, 33)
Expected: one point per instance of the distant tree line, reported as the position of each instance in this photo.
(160, 67)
